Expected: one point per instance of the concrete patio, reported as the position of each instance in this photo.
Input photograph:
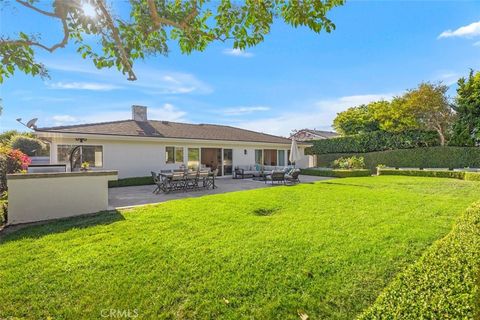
(140, 195)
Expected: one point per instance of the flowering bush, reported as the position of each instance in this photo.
(11, 161)
(349, 163)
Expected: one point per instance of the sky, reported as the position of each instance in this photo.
(295, 79)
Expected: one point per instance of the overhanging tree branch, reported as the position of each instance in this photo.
(28, 5)
(116, 37)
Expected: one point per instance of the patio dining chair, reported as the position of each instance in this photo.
(175, 182)
(210, 180)
(191, 180)
(157, 182)
(202, 177)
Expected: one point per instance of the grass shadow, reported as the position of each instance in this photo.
(37, 230)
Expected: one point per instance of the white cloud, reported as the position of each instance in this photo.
(449, 78)
(93, 86)
(166, 112)
(477, 44)
(238, 53)
(236, 111)
(468, 31)
(319, 115)
(65, 119)
(151, 81)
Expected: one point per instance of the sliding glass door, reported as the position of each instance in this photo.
(227, 161)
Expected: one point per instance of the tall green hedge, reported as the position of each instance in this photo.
(431, 157)
(443, 284)
(375, 141)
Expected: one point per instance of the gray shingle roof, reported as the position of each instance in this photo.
(168, 129)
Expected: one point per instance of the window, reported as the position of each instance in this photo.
(259, 157)
(193, 158)
(173, 154)
(169, 154)
(281, 158)
(91, 154)
(179, 155)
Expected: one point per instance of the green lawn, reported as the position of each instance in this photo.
(325, 249)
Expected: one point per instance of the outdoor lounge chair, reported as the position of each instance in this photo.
(293, 177)
(276, 176)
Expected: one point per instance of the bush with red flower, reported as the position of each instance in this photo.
(11, 161)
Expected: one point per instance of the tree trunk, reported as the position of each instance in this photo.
(441, 136)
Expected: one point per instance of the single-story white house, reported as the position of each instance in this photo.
(138, 146)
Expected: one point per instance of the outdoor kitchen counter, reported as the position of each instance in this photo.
(36, 197)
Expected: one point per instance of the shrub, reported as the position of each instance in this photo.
(375, 141)
(432, 157)
(11, 161)
(423, 173)
(349, 163)
(3, 208)
(472, 176)
(337, 173)
(443, 284)
(127, 182)
(29, 146)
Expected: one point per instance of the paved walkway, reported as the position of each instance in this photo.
(138, 195)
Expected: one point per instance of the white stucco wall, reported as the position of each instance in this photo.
(36, 197)
(137, 157)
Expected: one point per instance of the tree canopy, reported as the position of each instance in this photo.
(150, 27)
(423, 108)
(356, 120)
(466, 129)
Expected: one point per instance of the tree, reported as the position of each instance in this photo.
(466, 129)
(29, 146)
(356, 120)
(394, 116)
(429, 104)
(6, 136)
(151, 26)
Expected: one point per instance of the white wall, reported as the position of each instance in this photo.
(43, 196)
(134, 158)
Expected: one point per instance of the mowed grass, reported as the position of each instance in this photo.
(325, 250)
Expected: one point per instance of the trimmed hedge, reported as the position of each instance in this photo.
(472, 176)
(462, 175)
(337, 173)
(128, 182)
(431, 157)
(443, 284)
(375, 141)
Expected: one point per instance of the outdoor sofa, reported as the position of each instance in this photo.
(248, 171)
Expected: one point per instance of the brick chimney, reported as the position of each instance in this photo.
(139, 113)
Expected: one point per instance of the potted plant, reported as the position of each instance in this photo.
(85, 166)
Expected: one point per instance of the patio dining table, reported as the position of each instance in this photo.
(188, 180)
